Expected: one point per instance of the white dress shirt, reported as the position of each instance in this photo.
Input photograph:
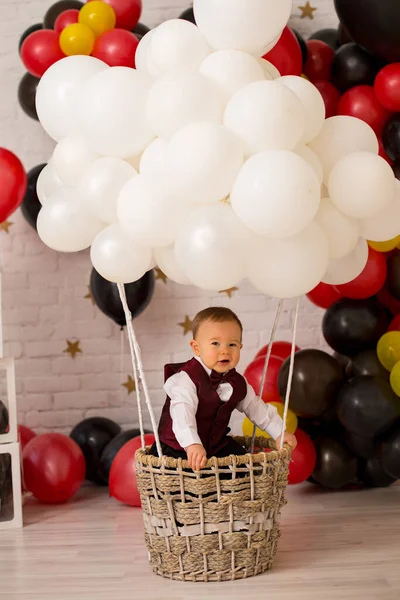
(184, 401)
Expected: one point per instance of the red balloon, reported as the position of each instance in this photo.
(253, 374)
(324, 295)
(13, 183)
(286, 55)
(395, 324)
(387, 87)
(304, 458)
(319, 63)
(122, 482)
(68, 17)
(54, 467)
(127, 12)
(382, 153)
(117, 48)
(371, 280)
(279, 349)
(330, 95)
(25, 435)
(40, 50)
(386, 300)
(361, 102)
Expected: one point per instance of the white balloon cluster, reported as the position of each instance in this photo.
(207, 162)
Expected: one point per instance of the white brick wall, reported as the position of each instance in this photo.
(43, 292)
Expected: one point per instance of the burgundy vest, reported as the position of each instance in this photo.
(212, 416)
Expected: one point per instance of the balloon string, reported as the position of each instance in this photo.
(266, 363)
(291, 369)
(121, 364)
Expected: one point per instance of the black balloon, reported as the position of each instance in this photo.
(393, 275)
(390, 452)
(330, 36)
(367, 406)
(112, 449)
(336, 466)
(106, 296)
(317, 378)
(361, 446)
(4, 418)
(140, 30)
(31, 205)
(351, 326)
(374, 24)
(391, 137)
(342, 360)
(303, 45)
(371, 474)
(366, 363)
(344, 36)
(27, 95)
(354, 66)
(28, 32)
(396, 169)
(92, 436)
(56, 10)
(188, 15)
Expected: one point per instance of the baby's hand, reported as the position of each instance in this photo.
(197, 456)
(288, 438)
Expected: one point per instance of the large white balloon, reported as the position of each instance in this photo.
(385, 225)
(212, 247)
(341, 231)
(149, 213)
(276, 194)
(71, 158)
(180, 98)
(101, 184)
(144, 58)
(266, 115)
(312, 103)
(340, 136)
(178, 44)
(111, 112)
(152, 161)
(47, 183)
(117, 258)
(343, 270)
(248, 25)
(361, 185)
(203, 160)
(291, 267)
(63, 223)
(59, 91)
(231, 70)
(312, 159)
(166, 260)
(270, 70)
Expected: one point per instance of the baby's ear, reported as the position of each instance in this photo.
(194, 346)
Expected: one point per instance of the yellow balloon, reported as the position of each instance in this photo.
(99, 16)
(395, 379)
(385, 246)
(77, 39)
(291, 422)
(388, 349)
(304, 76)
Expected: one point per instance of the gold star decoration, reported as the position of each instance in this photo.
(129, 385)
(89, 296)
(72, 348)
(229, 292)
(307, 11)
(186, 325)
(5, 226)
(160, 275)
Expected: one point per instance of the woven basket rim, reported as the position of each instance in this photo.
(261, 457)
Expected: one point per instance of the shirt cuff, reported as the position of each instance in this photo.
(274, 429)
(187, 437)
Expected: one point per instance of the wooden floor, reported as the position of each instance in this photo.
(334, 545)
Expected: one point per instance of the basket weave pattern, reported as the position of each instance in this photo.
(218, 524)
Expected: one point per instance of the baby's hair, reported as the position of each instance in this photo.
(215, 314)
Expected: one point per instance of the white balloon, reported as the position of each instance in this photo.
(361, 185)
(384, 225)
(341, 231)
(231, 70)
(117, 258)
(276, 194)
(291, 267)
(149, 213)
(270, 70)
(112, 112)
(178, 44)
(143, 56)
(101, 184)
(165, 258)
(343, 270)
(153, 263)
(212, 247)
(63, 223)
(309, 156)
(271, 45)
(180, 98)
(266, 115)
(312, 102)
(58, 93)
(71, 158)
(248, 25)
(152, 161)
(47, 183)
(340, 136)
(203, 160)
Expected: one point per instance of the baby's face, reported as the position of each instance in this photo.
(218, 345)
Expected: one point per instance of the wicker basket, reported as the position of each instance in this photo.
(218, 524)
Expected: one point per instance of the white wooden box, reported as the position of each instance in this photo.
(10, 486)
(7, 366)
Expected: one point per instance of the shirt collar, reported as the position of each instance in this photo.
(207, 370)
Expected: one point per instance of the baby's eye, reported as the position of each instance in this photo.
(215, 343)
(233, 345)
